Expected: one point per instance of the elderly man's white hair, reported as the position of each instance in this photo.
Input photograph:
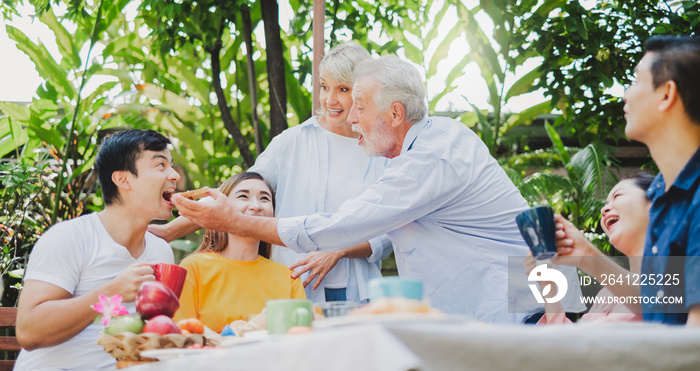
(399, 81)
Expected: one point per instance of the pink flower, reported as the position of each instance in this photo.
(109, 308)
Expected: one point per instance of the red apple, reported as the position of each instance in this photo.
(161, 325)
(154, 298)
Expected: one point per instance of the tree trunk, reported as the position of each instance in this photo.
(252, 86)
(275, 67)
(230, 125)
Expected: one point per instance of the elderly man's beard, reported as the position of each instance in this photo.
(381, 142)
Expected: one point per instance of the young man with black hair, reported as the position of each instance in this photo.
(105, 253)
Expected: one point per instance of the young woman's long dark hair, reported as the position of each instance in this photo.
(215, 241)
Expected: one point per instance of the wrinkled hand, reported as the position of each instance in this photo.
(572, 245)
(217, 214)
(318, 264)
(128, 282)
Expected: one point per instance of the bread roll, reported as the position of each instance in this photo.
(195, 194)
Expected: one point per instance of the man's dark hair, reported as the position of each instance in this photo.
(677, 58)
(119, 151)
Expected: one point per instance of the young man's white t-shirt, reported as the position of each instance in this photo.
(79, 255)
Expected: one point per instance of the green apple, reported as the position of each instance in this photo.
(126, 323)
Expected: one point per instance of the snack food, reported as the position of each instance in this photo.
(255, 323)
(394, 305)
(195, 193)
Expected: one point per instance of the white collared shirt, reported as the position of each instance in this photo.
(449, 209)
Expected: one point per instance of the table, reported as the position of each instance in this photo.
(449, 346)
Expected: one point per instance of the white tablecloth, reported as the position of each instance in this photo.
(449, 346)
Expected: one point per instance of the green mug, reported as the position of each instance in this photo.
(285, 313)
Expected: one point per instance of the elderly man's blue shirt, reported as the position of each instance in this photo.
(449, 209)
(673, 246)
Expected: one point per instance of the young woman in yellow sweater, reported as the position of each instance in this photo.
(230, 276)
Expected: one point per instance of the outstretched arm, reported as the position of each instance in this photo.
(575, 249)
(219, 215)
(49, 315)
(179, 227)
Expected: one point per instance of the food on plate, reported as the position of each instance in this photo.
(255, 323)
(162, 325)
(195, 193)
(154, 298)
(393, 305)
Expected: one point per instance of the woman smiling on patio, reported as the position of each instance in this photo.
(625, 217)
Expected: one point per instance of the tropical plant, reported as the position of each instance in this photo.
(497, 55)
(589, 51)
(574, 181)
(219, 29)
(24, 215)
(65, 117)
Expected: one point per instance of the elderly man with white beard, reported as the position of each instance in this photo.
(445, 203)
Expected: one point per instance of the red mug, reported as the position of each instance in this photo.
(171, 275)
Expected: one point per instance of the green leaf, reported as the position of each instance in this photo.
(299, 99)
(122, 74)
(16, 273)
(443, 48)
(119, 44)
(523, 84)
(436, 21)
(44, 63)
(482, 52)
(17, 112)
(64, 40)
(469, 118)
(549, 5)
(526, 116)
(457, 70)
(558, 143)
(413, 52)
(179, 130)
(173, 102)
(543, 188)
(12, 135)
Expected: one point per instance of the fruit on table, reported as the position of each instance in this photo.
(125, 323)
(162, 325)
(153, 298)
(193, 325)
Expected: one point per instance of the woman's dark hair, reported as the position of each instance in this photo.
(677, 58)
(119, 152)
(642, 180)
(215, 241)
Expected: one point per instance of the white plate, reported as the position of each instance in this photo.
(170, 353)
(390, 318)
